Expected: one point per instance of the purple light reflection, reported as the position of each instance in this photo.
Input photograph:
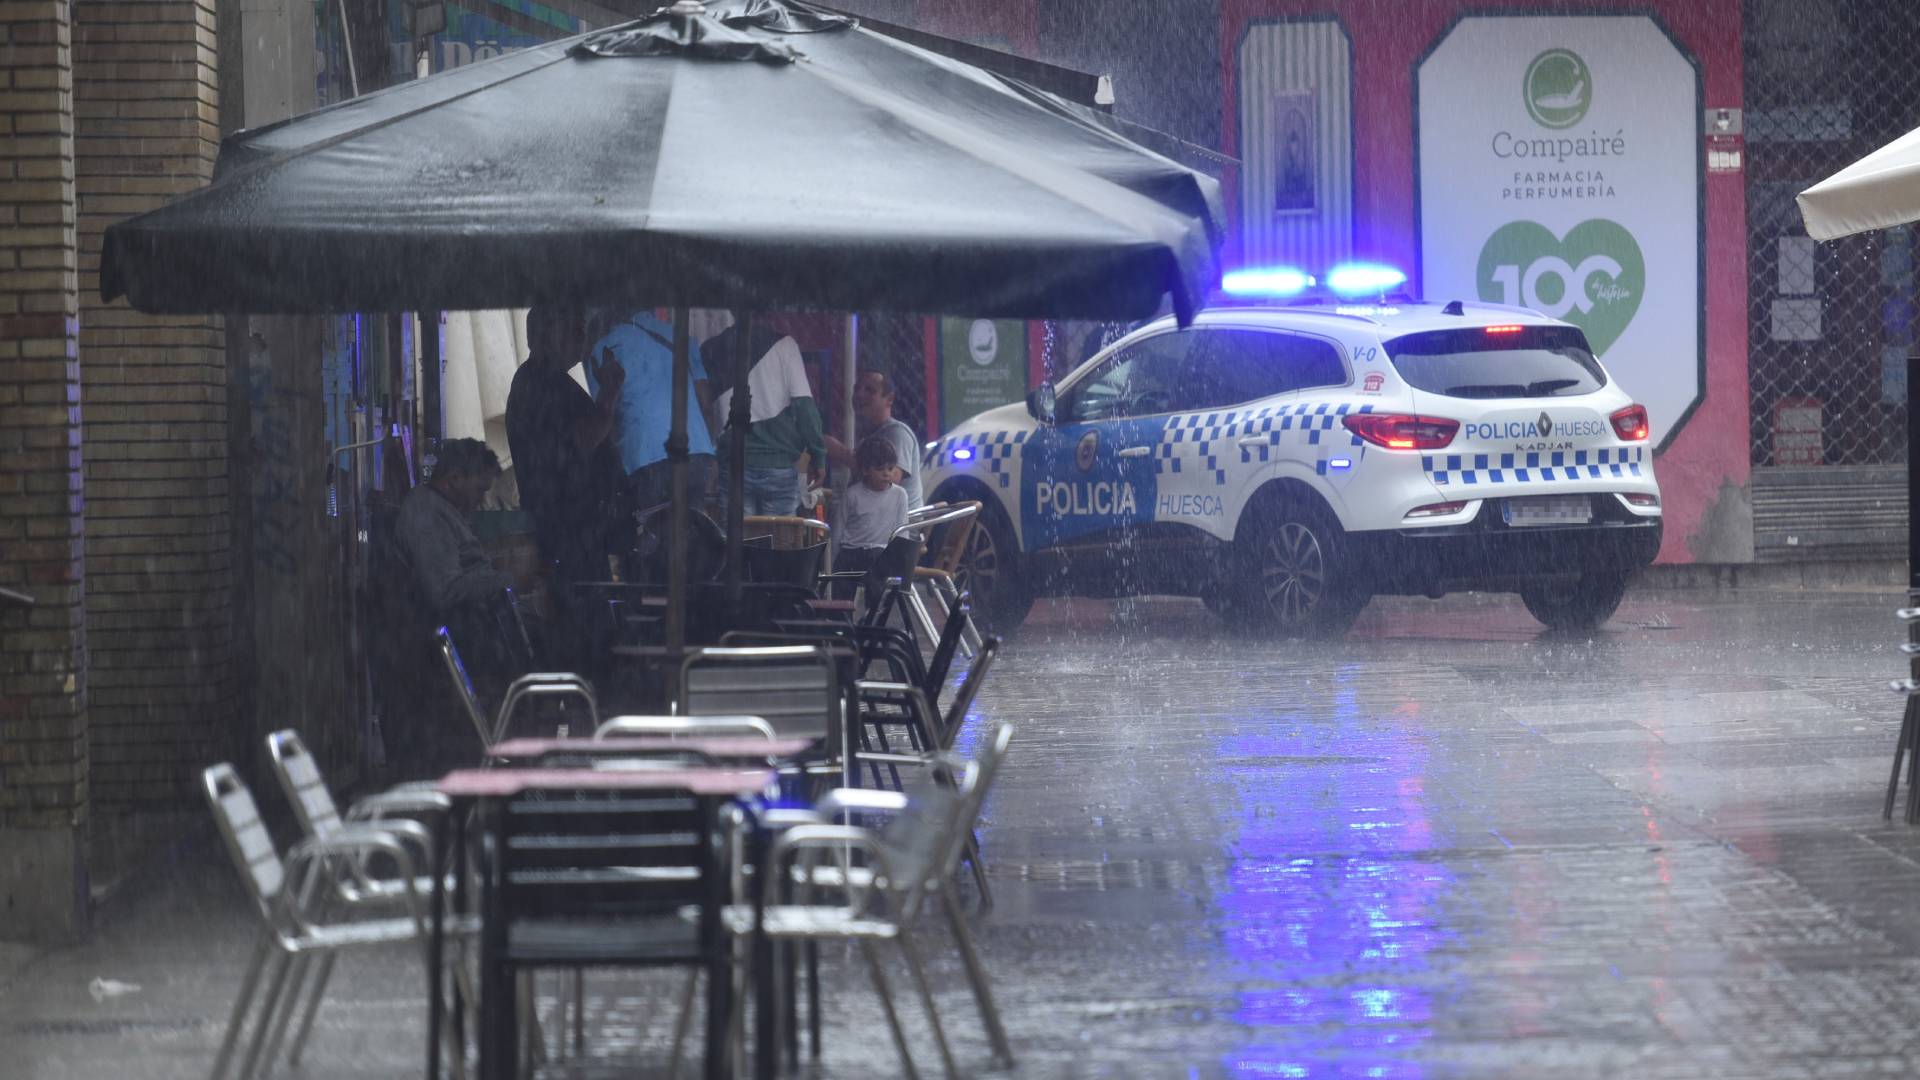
(1329, 912)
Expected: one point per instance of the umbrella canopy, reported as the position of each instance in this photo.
(1879, 191)
(744, 153)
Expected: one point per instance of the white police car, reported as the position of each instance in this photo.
(1287, 463)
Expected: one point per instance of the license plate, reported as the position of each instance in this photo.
(1550, 510)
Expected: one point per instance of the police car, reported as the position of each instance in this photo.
(1288, 462)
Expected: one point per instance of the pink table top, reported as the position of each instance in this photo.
(736, 747)
(503, 783)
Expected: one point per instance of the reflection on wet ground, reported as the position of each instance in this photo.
(1447, 846)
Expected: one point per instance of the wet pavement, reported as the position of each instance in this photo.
(1447, 846)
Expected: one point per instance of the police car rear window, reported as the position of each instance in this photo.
(1498, 362)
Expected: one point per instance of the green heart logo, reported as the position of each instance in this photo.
(1593, 277)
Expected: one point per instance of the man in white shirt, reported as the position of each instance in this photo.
(785, 422)
(873, 415)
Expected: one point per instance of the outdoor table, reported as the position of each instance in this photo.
(729, 750)
(482, 790)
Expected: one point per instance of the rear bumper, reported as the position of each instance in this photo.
(1487, 553)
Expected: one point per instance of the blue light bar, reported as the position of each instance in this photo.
(1357, 278)
(1273, 281)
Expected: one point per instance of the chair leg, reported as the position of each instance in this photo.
(918, 620)
(533, 1040)
(1899, 751)
(886, 1005)
(979, 865)
(1913, 777)
(925, 991)
(580, 1013)
(250, 1062)
(813, 997)
(976, 976)
(313, 1009)
(289, 1006)
(249, 985)
(790, 1008)
(681, 1024)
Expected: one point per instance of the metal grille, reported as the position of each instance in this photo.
(1827, 81)
(897, 345)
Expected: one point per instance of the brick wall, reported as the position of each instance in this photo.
(158, 532)
(43, 676)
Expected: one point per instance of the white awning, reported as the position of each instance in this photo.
(1879, 191)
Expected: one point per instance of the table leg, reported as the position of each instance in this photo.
(496, 1015)
(713, 946)
(435, 1011)
(766, 1042)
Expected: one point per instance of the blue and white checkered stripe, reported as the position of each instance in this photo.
(1191, 441)
(994, 449)
(1521, 468)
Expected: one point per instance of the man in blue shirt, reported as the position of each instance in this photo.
(642, 416)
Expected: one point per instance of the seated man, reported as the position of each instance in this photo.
(435, 531)
(453, 584)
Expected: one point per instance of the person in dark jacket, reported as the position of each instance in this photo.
(565, 464)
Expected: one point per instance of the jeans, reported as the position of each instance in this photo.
(652, 484)
(768, 492)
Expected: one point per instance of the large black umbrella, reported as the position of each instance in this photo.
(744, 153)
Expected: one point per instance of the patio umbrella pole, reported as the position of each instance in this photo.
(739, 419)
(677, 457)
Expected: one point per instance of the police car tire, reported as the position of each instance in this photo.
(1581, 603)
(1295, 523)
(1005, 606)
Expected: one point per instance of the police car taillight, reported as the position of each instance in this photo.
(1640, 499)
(1630, 423)
(1395, 431)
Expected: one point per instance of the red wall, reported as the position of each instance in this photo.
(1389, 37)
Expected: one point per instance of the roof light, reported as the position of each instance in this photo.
(1357, 278)
(1503, 328)
(1270, 281)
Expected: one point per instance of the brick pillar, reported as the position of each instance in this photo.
(159, 534)
(43, 670)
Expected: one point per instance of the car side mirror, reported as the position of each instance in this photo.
(1041, 402)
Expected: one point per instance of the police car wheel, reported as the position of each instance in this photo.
(1579, 603)
(1297, 578)
(1001, 600)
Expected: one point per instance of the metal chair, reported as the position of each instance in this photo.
(525, 688)
(934, 582)
(684, 727)
(296, 902)
(592, 881)
(396, 811)
(973, 791)
(791, 687)
(544, 684)
(945, 729)
(912, 857)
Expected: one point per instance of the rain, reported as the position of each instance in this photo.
(1207, 538)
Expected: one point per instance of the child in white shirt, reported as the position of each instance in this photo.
(873, 508)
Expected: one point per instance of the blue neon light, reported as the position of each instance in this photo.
(963, 454)
(1340, 463)
(1272, 281)
(1354, 278)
